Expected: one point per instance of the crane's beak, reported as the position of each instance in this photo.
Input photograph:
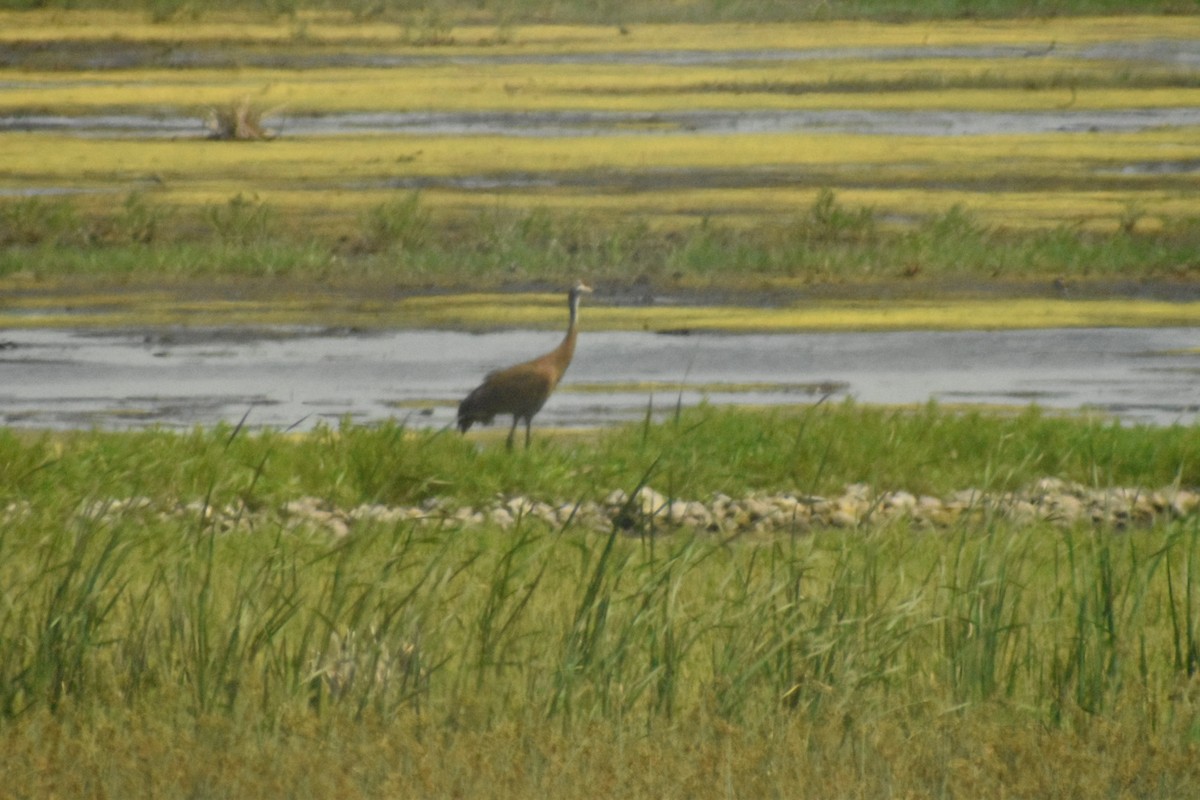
(583, 287)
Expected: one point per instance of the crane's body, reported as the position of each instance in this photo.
(523, 389)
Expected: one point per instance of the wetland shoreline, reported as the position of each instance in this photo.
(28, 302)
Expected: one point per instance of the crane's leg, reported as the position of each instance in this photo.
(511, 432)
(528, 422)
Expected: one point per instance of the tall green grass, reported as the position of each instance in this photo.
(469, 629)
(818, 449)
(125, 582)
(128, 602)
(407, 245)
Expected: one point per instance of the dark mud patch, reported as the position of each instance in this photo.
(223, 312)
(123, 55)
(1188, 167)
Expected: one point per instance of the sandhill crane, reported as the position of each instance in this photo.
(522, 390)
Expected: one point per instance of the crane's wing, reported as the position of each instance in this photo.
(521, 390)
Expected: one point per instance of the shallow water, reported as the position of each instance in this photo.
(299, 377)
(656, 123)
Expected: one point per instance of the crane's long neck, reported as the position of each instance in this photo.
(565, 351)
(573, 303)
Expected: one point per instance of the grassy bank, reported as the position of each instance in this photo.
(831, 265)
(926, 450)
(138, 627)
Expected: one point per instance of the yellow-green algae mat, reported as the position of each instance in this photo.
(500, 310)
(1049, 179)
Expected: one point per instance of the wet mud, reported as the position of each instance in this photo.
(104, 55)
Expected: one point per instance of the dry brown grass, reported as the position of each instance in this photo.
(240, 121)
(982, 753)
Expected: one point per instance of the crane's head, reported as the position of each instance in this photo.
(577, 291)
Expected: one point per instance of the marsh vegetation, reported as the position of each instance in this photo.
(405, 244)
(157, 585)
(417, 168)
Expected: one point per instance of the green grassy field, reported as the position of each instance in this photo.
(169, 629)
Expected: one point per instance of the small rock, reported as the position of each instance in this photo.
(1185, 502)
(650, 501)
(1063, 508)
(840, 518)
(519, 506)
(757, 508)
(900, 501)
(616, 498)
(965, 498)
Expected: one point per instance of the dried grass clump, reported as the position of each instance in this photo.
(240, 121)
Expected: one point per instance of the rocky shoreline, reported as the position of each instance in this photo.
(1049, 500)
